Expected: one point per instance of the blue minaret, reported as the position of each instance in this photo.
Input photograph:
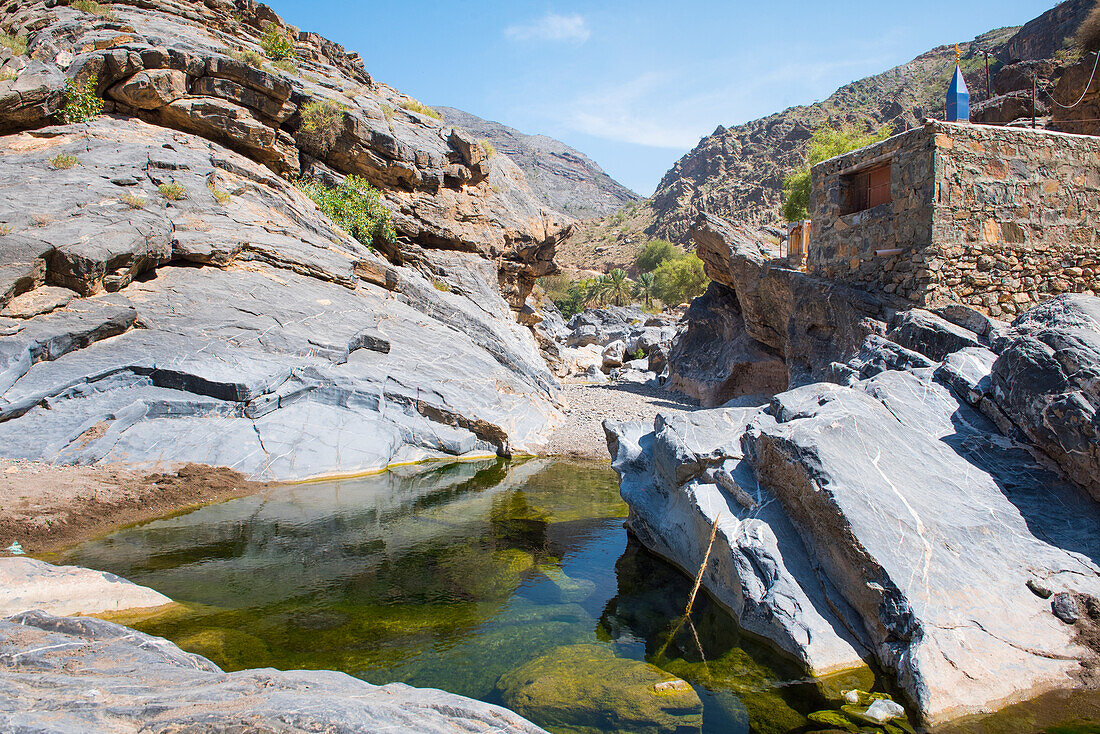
(958, 96)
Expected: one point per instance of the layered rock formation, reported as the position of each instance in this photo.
(129, 681)
(921, 499)
(170, 297)
(562, 178)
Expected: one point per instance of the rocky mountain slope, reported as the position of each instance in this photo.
(737, 172)
(169, 296)
(912, 487)
(562, 178)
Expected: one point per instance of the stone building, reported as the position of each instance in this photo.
(994, 217)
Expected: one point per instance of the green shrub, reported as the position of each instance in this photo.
(655, 253)
(92, 8)
(134, 201)
(277, 46)
(679, 280)
(827, 142)
(441, 285)
(7, 76)
(1088, 34)
(172, 191)
(17, 44)
(323, 117)
(222, 197)
(637, 354)
(286, 65)
(487, 148)
(82, 103)
(63, 161)
(5, 229)
(413, 106)
(355, 206)
(249, 57)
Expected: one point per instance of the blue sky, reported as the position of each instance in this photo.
(634, 85)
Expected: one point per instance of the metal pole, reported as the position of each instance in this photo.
(1034, 97)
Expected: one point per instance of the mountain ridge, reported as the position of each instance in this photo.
(561, 176)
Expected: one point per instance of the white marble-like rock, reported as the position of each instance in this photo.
(26, 584)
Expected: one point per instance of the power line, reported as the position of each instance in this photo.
(1083, 93)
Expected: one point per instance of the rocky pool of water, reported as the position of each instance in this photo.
(511, 582)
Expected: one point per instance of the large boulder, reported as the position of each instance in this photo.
(248, 332)
(900, 514)
(572, 688)
(150, 89)
(1047, 380)
(714, 359)
(123, 680)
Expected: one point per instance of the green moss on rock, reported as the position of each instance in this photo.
(586, 688)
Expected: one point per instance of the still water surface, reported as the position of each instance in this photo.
(457, 577)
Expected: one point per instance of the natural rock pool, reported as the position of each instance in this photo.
(511, 582)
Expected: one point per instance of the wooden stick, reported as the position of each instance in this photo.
(703, 565)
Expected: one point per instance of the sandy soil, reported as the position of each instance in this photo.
(50, 507)
(582, 434)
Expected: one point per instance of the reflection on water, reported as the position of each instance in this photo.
(470, 577)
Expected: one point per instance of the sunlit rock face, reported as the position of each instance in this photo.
(231, 323)
(903, 512)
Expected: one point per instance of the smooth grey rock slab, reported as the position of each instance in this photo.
(67, 675)
(687, 472)
(931, 523)
(248, 333)
(26, 584)
(1047, 380)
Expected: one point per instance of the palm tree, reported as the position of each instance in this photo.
(644, 289)
(614, 288)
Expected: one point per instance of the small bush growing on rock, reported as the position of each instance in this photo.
(277, 46)
(222, 197)
(134, 201)
(93, 8)
(249, 57)
(7, 76)
(487, 148)
(441, 285)
(286, 65)
(413, 106)
(16, 44)
(355, 206)
(322, 117)
(5, 229)
(1088, 35)
(172, 191)
(41, 219)
(82, 103)
(63, 161)
(387, 111)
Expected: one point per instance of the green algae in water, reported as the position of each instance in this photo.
(449, 576)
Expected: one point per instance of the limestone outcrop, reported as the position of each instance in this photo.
(127, 681)
(27, 584)
(901, 515)
(168, 296)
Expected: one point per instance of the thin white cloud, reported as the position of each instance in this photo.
(551, 27)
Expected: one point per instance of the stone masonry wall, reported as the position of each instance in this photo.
(997, 218)
(1017, 214)
(843, 247)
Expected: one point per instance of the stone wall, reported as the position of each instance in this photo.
(843, 246)
(997, 218)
